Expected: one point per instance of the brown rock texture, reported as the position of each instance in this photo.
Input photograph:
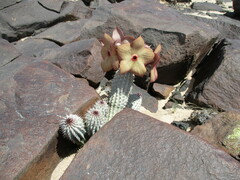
(82, 58)
(216, 82)
(8, 52)
(184, 40)
(217, 130)
(136, 146)
(162, 90)
(33, 95)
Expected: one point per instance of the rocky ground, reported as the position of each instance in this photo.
(189, 123)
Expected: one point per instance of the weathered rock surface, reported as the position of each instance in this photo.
(136, 146)
(218, 131)
(184, 41)
(63, 33)
(54, 5)
(8, 52)
(148, 102)
(33, 95)
(216, 82)
(82, 58)
(161, 90)
(34, 47)
(4, 4)
(227, 26)
(27, 16)
(205, 6)
(236, 6)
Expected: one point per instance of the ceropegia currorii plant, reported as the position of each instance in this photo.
(128, 57)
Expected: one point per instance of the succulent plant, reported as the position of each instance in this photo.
(72, 127)
(95, 118)
(121, 87)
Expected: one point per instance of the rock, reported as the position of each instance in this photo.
(227, 26)
(54, 5)
(148, 102)
(34, 47)
(205, 6)
(28, 16)
(33, 95)
(4, 4)
(169, 105)
(220, 131)
(184, 41)
(177, 97)
(161, 90)
(236, 6)
(181, 125)
(136, 146)
(63, 33)
(96, 3)
(8, 52)
(216, 81)
(82, 58)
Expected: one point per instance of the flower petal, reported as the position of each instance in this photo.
(146, 55)
(158, 49)
(106, 65)
(138, 68)
(125, 66)
(153, 74)
(123, 50)
(117, 34)
(107, 40)
(138, 44)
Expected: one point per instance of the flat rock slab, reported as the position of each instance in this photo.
(184, 41)
(33, 95)
(217, 80)
(27, 16)
(7, 52)
(63, 33)
(136, 146)
(82, 58)
(4, 4)
(54, 5)
(34, 47)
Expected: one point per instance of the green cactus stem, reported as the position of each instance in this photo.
(134, 101)
(120, 90)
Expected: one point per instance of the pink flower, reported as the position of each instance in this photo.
(153, 72)
(134, 56)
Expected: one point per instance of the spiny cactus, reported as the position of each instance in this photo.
(121, 87)
(134, 101)
(72, 127)
(95, 117)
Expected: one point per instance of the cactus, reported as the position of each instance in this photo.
(72, 127)
(121, 87)
(95, 117)
(134, 101)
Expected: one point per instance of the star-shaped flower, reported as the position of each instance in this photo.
(153, 72)
(109, 54)
(134, 57)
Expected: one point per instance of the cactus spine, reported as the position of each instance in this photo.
(121, 87)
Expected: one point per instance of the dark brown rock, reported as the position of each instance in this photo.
(162, 90)
(8, 52)
(34, 47)
(205, 6)
(236, 6)
(63, 33)
(82, 58)
(54, 5)
(28, 16)
(218, 131)
(216, 82)
(33, 95)
(148, 102)
(184, 41)
(136, 146)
